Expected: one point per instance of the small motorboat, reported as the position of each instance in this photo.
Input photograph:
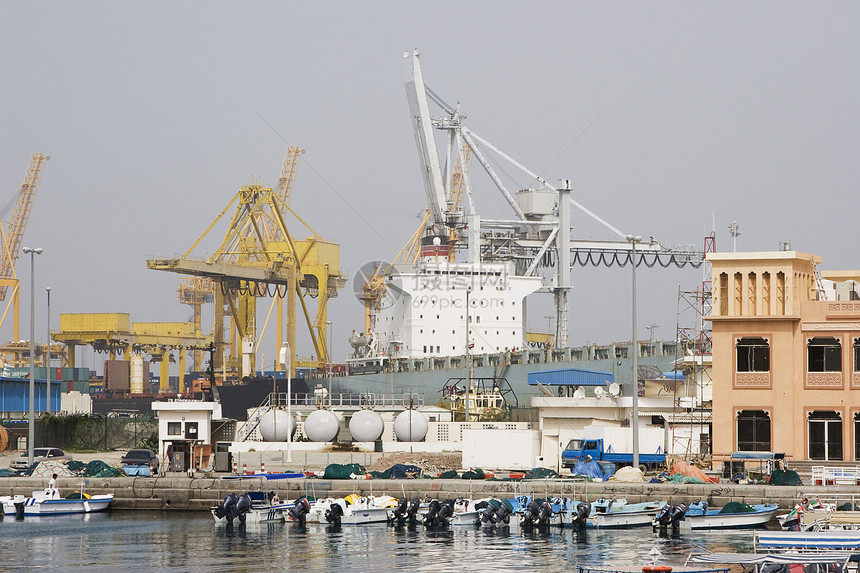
(557, 511)
(616, 513)
(48, 503)
(352, 510)
(251, 507)
(699, 516)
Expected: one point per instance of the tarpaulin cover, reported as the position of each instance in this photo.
(785, 477)
(588, 468)
(628, 474)
(737, 507)
(342, 471)
(50, 467)
(477, 473)
(685, 469)
(398, 471)
(541, 473)
(450, 474)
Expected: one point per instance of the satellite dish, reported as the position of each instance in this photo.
(614, 390)
(579, 393)
(544, 389)
(598, 392)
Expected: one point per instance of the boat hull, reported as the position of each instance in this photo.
(33, 506)
(713, 519)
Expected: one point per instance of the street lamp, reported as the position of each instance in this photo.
(286, 362)
(635, 423)
(48, 358)
(31, 435)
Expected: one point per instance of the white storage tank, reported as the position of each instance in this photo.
(366, 426)
(136, 372)
(322, 426)
(410, 426)
(276, 425)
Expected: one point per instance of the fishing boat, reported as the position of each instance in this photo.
(41, 503)
(806, 561)
(614, 513)
(251, 507)
(351, 510)
(555, 511)
(700, 516)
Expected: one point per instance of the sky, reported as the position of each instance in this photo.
(672, 119)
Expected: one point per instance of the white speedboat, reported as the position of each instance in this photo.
(252, 507)
(43, 503)
(352, 510)
(617, 513)
(699, 516)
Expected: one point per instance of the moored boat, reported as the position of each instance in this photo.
(251, 507)
(699, 516)
(41, 504)
(614, 513)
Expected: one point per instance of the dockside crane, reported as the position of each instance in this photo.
(249, 264)
(12, 237)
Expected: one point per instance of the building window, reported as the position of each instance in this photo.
(753, 354)
(753, 431)
(174, 428)
(824, 354)
(857, 435)
(191, 430)
(857, 355)
(825, 435)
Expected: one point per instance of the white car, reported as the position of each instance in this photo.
(39, 455)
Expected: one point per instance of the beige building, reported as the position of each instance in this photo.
(786, 357)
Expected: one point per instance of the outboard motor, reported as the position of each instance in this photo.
(446, 511)
(503, 513)
(412, 512)
(545, 514)
(432, 512)
(399, 513)
(489, 513)
(583, 510)
(299, 511)
(670, 515)
(19, 510)
(334, 513)
(243, 506)
(532, 514)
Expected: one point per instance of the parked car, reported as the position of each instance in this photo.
(39, 455)
(141, 458)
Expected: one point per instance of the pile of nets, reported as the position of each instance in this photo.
(95, 468)
(342, 471)
(540, 473)
(681, 478)
(450, 474)
(399, 471)
(785, 477)
(476, 473)
(737, 507)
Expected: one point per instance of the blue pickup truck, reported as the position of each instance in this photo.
(577, 449)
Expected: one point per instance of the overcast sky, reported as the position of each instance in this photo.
(671, 119)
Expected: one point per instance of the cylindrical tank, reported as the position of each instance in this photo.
(276, 425)
(136, 374)
(410, 426)
(322, 426)
(366, 426)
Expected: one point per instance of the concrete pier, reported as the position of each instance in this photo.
(183, 493)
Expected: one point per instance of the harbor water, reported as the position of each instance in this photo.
(190, 541)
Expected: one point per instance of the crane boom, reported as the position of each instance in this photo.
(288, 173)
(14, 234)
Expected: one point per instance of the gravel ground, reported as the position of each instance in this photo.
(430, 463)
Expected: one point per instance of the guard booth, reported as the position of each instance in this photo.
(185, 433)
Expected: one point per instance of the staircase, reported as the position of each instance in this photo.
(254, 419)
(804, 468)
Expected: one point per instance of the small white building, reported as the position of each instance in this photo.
(185, 433)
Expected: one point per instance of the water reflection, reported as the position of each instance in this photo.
(143, 541)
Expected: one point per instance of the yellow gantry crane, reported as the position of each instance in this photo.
(259, 257)
(12, 237)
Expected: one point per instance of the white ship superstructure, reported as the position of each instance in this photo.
(426, 314)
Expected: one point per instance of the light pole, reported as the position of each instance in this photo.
(48, 358)
(328, 361)
(651, 328)
(31, 435)
(286, 362)
(468, 359)
(635, 423)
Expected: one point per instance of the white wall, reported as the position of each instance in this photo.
(501, 449)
